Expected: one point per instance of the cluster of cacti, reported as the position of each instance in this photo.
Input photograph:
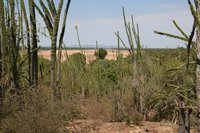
(183, 108)
(10, 68)
(133, 36)
(51, 17)
(19, 69)
(162, 80)
(196, 15)
(134, 47)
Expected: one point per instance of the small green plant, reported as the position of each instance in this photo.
(100, 54)
(78, 58)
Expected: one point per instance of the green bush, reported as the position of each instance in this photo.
(44, 69)
(106, 70)
(100, 54)
(78, 58)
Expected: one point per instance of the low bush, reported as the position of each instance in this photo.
(35, 111)
(78, 59)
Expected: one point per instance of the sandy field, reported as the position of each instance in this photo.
(89, 54)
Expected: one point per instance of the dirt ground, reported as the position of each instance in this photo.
(97, 126)
(89, 54)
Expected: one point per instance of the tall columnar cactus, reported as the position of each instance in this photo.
(132, 33)
(5, 47)
(22, 5)
(133, 36)
(21, 26)
(79, 42)
(5, 73)
(1, 87)
(51, 17)
(61, 46)
(196, 16)
(184, 125)
(34, 57)
(14, 45)
(9, 45)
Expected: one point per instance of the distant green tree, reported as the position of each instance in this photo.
(100, 54)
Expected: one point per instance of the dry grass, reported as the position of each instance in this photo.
(34, 112)
(101, 109)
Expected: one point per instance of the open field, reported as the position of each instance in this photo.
(89, 53)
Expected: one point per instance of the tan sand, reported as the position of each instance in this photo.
(89, 54)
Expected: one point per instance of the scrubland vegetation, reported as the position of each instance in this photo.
(39, 95)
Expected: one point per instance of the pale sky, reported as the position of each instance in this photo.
(99, 19)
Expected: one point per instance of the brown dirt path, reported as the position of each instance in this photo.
(97, 126)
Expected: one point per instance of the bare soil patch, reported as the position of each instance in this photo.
(97, 126)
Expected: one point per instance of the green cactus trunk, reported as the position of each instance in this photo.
(5, 48)
(51, 17)
(14, 46)
(28, 40)
(34, 57)
(61, 46)
(1, 87)
(198, 69)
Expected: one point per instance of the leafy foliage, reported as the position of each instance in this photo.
(78, 59)
(100, 53)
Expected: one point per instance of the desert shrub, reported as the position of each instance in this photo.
(176, 84)
(100, 54)
(44, 69)
(73, 72)
(113, 107)
(134, 118)
(78, 59)
(106, 69)
(97, 108)
(45, 63)
(120, 57)
(35, 111)
(74, 66)
(130, 58)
